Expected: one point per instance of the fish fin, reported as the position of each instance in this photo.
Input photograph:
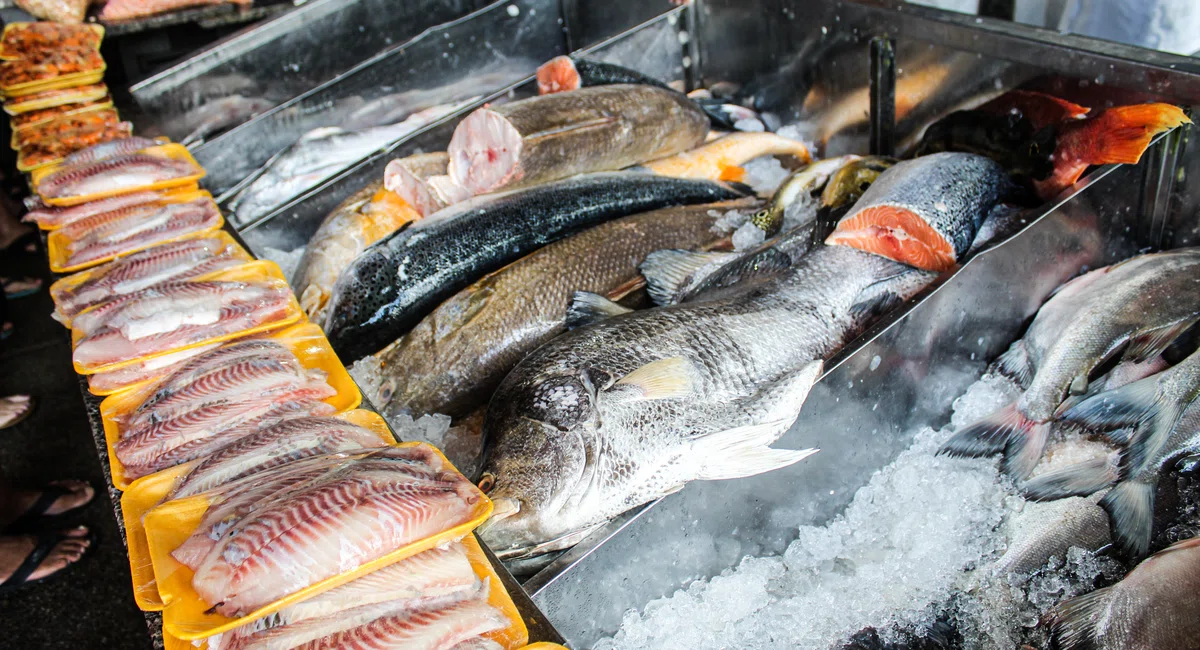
(1025, 449)
(1131, 506)
(1079, 479)
(1119, 437)
(1075, 620)
(668, 272)
(587, 308)
(663, 379)
(732, 173)
(1122, 134)
(1015, 364)
(875, 306)
(744, 451)
(311, 300)
(1150, 344)
(1148, 439)
(384, 242)
(1079, 385)
(1121, 407)
(988, 435)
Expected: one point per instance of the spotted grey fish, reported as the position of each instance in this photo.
(398, 281)
(1156, 606)
(1137, 307)
(632, 407)
(454, 358)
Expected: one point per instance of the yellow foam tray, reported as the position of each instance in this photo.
(184, 612)
(57, 242)
(148, 492)
(172, 150)
(511, 638)
(74, 280)
(8, 55)
(28, 162)
(19, 105)
(257, 271)
(83, 78)
(185, 190)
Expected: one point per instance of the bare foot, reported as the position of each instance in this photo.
(13, 407)
(15, 548)
(18, 501)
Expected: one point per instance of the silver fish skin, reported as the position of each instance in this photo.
(1156, 606)
(1137, 308)
(629, 409)
(1045, 530)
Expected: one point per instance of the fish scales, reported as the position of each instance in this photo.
(455, 357)
(615, 414)
(279, 444)
(397, 282)
(556, 136)
(301, 540)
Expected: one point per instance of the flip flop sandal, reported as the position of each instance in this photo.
(37, 511)
(20, 288)
(20, 418)
(46, 542)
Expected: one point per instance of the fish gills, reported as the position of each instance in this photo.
(924, 212)
(550, 137)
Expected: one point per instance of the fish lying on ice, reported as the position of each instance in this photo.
(1140, 305)
(925, 212)
(362, 219)
(1045, 530)
(1156, 606)
(551, 137)
(454, 358)
(179, 260)
(115, 173)
(359, 511)
(398, 281)
(632, 407)
(434, 578)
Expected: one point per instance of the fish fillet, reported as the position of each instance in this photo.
(431, 629)
(116, 173)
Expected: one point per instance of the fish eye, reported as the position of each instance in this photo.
(487, 482)
(387, 391)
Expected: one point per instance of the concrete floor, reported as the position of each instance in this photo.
(89, 605)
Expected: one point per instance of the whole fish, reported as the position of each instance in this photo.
(173, 261)
(219, 115)
(800, 187)
(362, 219)
(924, 212)
(454, 358)
(121, 172)
(1166, 411)
(398, 281)
(434, 578)
(722, 159)
(551, 137)
(337, 523)
(746, 272)
(50, 217)
(1143, 304)
(321, 154)
(421, 629)
(175, 329)
(275, 445)
(410, 178)
(631, 408)
(1045, 530)
(1156, 606)
(845, 187)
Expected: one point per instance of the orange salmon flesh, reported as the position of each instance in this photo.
(897, 234)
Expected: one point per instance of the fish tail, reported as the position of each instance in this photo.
(987, 436)
(1079, 479)
(731, 173)
(1130, 505)
(1075, 620)
(1121, 134)
(558, 75)
(1114, 409)
(1025, 450)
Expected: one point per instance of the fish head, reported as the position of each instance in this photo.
(536, 465)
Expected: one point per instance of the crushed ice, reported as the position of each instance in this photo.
(288, 261)
(747, 236)
(915, 546)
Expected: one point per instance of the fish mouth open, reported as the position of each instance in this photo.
(897, 234)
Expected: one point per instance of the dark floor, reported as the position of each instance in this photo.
(90, 605)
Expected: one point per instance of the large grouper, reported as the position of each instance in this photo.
(391, 286)
(634, 405)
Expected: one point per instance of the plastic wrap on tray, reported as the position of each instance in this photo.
(105, 236)
(30, 119)
(27, 40)
(158, 167)
(55, 97)
(48, 65)
(184, 259)
(49, 217)
(366, 511)
(170, 317)
(69, 129)
(48, 151)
